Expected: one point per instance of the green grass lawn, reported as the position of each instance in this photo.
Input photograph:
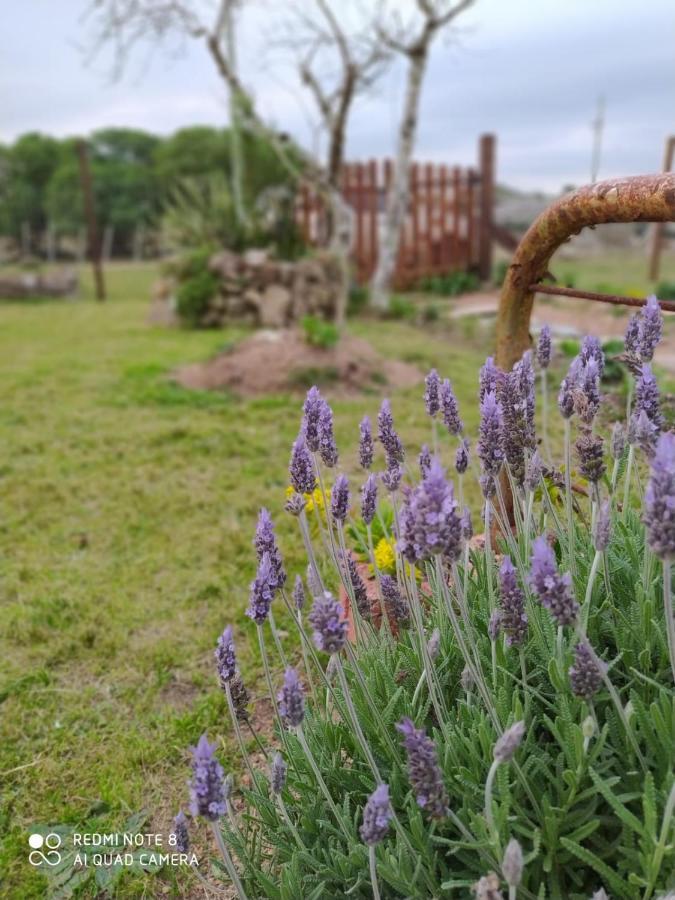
(128, 508)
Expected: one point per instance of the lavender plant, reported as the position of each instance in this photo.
(500, 720)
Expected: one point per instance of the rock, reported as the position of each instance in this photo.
(253, 300)
(163, 304)
(276, 306)
(255, 257)
(225, 263)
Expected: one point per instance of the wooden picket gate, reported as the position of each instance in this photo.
(448, 226)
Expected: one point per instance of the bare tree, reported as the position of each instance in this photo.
(413, 41)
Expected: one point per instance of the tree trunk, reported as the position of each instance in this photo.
(397, 199)
(340, 246)
(237, 158)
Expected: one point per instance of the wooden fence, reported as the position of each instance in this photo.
(448, 226)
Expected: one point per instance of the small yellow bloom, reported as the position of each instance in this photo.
(385, 556)
(314, 500)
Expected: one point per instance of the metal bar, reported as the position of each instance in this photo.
(667, 305)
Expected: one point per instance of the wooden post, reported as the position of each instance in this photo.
(487, 201)
(659, 228)
(90, 216)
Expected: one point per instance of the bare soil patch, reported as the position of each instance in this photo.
(278, 361)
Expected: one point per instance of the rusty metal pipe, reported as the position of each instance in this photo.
(618, 299)
(644, 198)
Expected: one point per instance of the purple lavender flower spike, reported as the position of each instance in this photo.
(366, 447)
(647, 397)
(587, 396)
(387, 434)
(278, 772)
(651, 329)
(512, 603)
(515, 391)
(424, 772)
(330, 629)
(659, 507)
(450, 409)
(586, 673)
(207, 793)
(462, 457)
(553, 589)
(568, 389)
(339, 498)
(394, 601)
(240, 698)
(312, 409)
(265, 542)
(262, 592)
(589, 447)
(351, 574)
(432, 384)
(495, 625)
(487, 383)
(327, 446)
(429, 521)
(591, 349)
(377, 814)
(300, 468)
(642, 432)
(467, 524)
(391, 477)
(544, 347)
(295, 504)
(618, 442)
(292, 699)
(369, 499)
(226, 660)
(631, 339)
(299, 593)
(490, 435)
(424, 460)
(535, 471)
(181, 833)
(509, 742)
(434, 644)
(603, 527)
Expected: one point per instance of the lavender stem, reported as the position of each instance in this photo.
(319, 778)
(227, 859)
(669, 613)
(568, 497)
(371, 852)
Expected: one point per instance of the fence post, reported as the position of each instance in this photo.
(487, 201)
(93, 236)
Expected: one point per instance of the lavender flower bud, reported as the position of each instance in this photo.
(488, 486)
(487, 383)
(377, 814)
(298, 593)
(589, 447)
(603, 528)
(591, 349)
(647, 397)
(651, 329)
(509, 742)
(585, 674)
(265, 542)
(262, 592)
(301, 469)
(659, 506)
(278, 772)
(432, 400)
(466, 679)
(450, 409)
(332, 668)
(487, 888)
(369, 499)
(601, 894)
(351, 575)
(339, 498)
(207, 794)
(587, 394)
(489, 447)
(312, 409)
(292, 699)
(429, 521)
(434, 644)
(512, 602)
(553, 590)
(295, 504)
(240, 698)
(516, 395)
(394, 601)
(366, 447)
(387, 434)
(631, 339)
(568, 389)
(426, 778)
(535, 470)
(495, 625)
(424, 460)
(544, 347)
(618, 442)
(313, 582)
(226, 660)
(642, 432)
(327, 446)
(512, 863)
(330, 629)
(392, 475)
(181, 833)
(467, 524)
(462, 457)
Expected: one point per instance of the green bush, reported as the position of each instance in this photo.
(194, 295)
(665, 290)
(400, 308)
(320, 333)
(450, 285)
(569, 346)
(358, 299)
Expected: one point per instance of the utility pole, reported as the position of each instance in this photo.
(93, 238)
(597, 126)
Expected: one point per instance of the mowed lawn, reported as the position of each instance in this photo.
(128, 510)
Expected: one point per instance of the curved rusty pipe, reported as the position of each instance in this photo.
(643, 198)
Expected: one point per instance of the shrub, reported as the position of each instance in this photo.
(194, 295)
(503, 723)
(320, 333)
(665, 290)
(400, 308)
(452, 284)
(358, 299)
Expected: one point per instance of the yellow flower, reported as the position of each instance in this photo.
(385, 556)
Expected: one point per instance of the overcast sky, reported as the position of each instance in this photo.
(531, 71)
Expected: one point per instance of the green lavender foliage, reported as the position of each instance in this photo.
(589, 796)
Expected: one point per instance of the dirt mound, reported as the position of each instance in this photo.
(278, 361)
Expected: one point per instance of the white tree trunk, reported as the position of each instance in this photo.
(397, 199)
(236, 154)
(341, 246)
